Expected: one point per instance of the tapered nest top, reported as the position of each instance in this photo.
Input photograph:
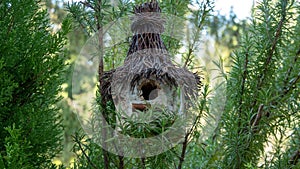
(147, 19)
(147, 7)
(147, 25)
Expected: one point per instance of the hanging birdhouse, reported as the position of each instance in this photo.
(148, 78)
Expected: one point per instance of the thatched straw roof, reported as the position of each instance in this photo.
(148, 57)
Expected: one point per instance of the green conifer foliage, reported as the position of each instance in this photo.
(263, 88)
(31, 67)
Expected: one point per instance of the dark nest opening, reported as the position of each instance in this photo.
(149, 89)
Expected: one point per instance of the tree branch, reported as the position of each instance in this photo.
(244, 76)
(184, 146)
(143, 162)
(84, 153)
(99, 20)
(270, 53)
(258, 117)
(121, 162)
(288, 84)
(295, 158)
(186, 138)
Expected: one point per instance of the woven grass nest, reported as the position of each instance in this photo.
(148, 58)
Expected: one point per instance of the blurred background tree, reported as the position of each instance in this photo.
(32, 63)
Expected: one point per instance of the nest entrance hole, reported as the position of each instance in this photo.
(149, 89)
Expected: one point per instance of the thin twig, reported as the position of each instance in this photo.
(288, 84)
(295, 158)
(199, 28)
(188, 58)
(186, 138)
(99, 21)
(184, 146)
(121, 162)
(84, 153)
(244, 76)
(258, 117)
(143, 162)
(87, 4)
